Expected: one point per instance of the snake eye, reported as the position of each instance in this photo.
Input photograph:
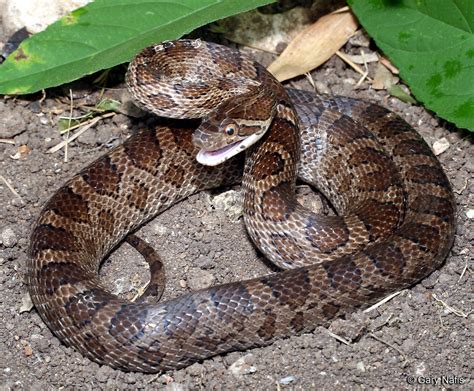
(230, 130)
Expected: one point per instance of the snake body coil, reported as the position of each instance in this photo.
(395, 226)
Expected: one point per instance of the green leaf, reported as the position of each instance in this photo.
(105, 33)
(432, 43)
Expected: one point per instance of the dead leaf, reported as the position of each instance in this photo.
(383, 78)
(26, 303)
(392, 68)
(398, 92)
(22, 152)
(314, 45)
(363, 58)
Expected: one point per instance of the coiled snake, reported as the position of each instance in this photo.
(395, 225)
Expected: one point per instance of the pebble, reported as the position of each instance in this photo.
(205, 262)
(230, 202)
(103, 374)
(440, 146)
(243, 366)
(200, 279)
(287, 380)
(26, 303)
(360, 366)
(8, 237)
(470, 213)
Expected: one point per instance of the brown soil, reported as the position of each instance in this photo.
(416, 334)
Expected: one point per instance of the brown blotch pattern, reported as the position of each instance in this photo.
(145, 152)
(103, 177)
(343, 274)
(69, 204)
(327, 233)
(276, 202)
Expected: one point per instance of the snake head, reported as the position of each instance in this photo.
(233, 127)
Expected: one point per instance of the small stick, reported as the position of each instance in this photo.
(447, 306)
(7, 141)
(88, 125)
(353, 65)
(383, 301)
(339, 338)
(463, 272)
(71, 107)
(10, 187)
(366, 73)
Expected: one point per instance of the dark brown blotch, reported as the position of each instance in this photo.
(327, 233)
(343, 274)
(293, 290)
(126, 326)
(47, 236)
(175, 175)
(278, 202)
(432, 205)
(383, 174)
(67, 203)
(267, 330)
(54, 275)
(138, 196)
(426, 237)
(412, 147)
(268, 164)
(144, 151)
(425, 174)
(297, 323)
(103, 176)
(83, 306)
(380, 219)
(388, 259)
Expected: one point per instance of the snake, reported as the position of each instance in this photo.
(223, 119)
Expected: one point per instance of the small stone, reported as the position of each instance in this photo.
(243, 366)
(27, 350)
(205, 262)
(440, 146)
(360, 366)
(200, 279)
(287, 380)
(174, 387)
(160, 229)
(230, 202)
(26, 303)
(183, 284)
(103, 374)
(470, 213)
(8, 237)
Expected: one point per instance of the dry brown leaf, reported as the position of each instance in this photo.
(314, 45)
(383, 78)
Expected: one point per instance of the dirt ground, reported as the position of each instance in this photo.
(415, 339)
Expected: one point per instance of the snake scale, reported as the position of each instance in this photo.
(395, 223)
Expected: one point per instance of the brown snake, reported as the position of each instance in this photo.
(395, 226)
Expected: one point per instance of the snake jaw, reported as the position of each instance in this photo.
(218, 156)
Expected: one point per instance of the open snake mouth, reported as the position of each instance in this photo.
(218, 156)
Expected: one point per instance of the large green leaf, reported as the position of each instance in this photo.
(103, 34)
(432, 43)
